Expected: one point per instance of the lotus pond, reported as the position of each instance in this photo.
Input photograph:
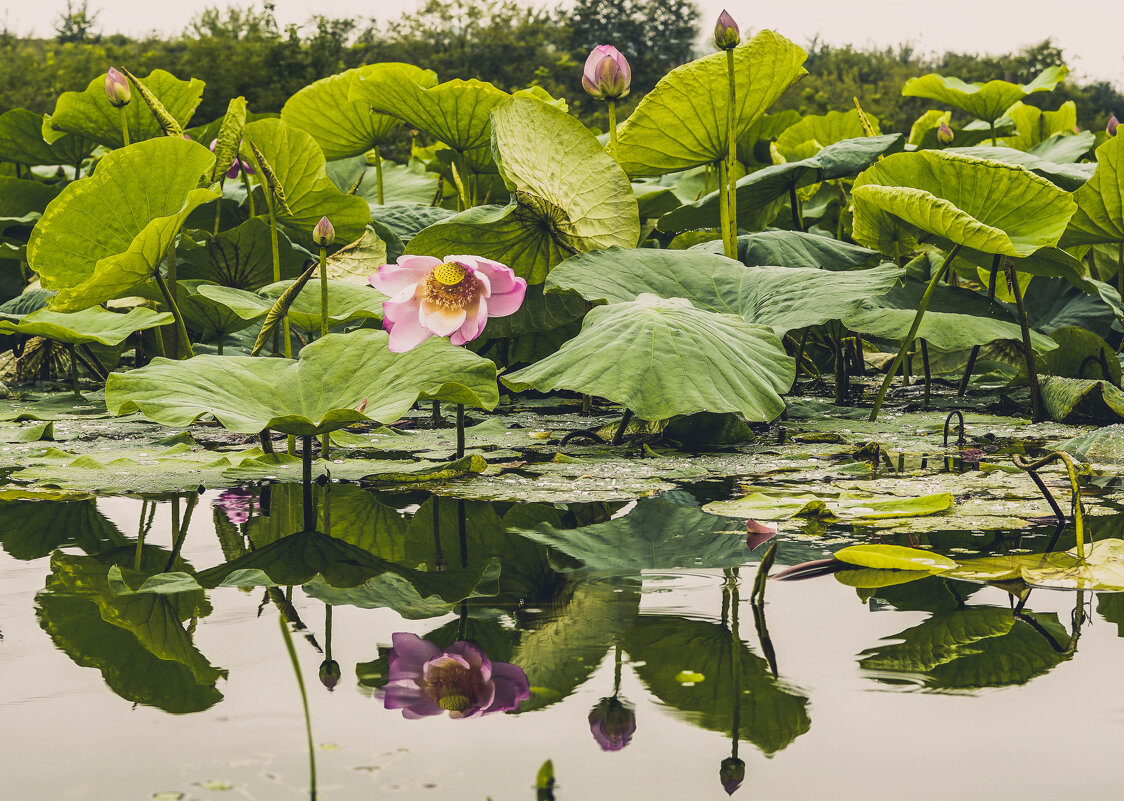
(421, 441)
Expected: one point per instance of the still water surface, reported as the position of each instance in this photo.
(913, 723)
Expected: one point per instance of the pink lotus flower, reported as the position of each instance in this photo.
(612, 723)
(452, 298)
(117, 88)
(236, 167)
(727, 35)
(607, 75)
(238, 504)
(423, 680)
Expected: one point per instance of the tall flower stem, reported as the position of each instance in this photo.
(172, 289)
(908, 340)
(728, 248)
(218, 208)
(732, 157)
(612, 104)
(124, 127)
(378, 175)
(324, 445)
(1036, 413)
(304, 704)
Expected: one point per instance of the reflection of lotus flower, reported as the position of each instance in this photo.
(607, 75)
(726, 32)
(759, 533)
(612, 723)
(238, 505)
(423, 680)
(732, 774)
(117, 88)
(330, 673)
(236, 166)
(453, 298)
(945, 134)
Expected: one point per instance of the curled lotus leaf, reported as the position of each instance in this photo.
(985, 101)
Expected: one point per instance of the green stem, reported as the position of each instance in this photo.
(304, 703)
(728, 248)
(249, 192)
(732, 158)
(993, 140)
(181, 328)
(612, 127)
(171, 265)
(1036, 412)
(921, 306)
(74, 370)
(378, 175)
(324, 444)
(124, 127)
(286, 338)
(218, 208)
(460, 430)
(797, 213)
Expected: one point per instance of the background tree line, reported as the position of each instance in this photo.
(243, 51)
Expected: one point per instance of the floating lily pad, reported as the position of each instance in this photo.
(1074, 400)
(764, 507)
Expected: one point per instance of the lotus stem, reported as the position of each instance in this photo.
(306, 483)
(439, 563)
(994, 142)
(1036, 413)
(797, 213)
(218, 208)
(304, 704)
(460, 430)
(181, 328)
(74, 370)
(729, 249)
(287, 342)
(1075, 491)
(249, 193)
(732, 155)
(928, 375)
(378, 175)
(124, 128)
(612, 104)
(172, 284)
(323, 292)
(921, 306)
(618, 437)
(459, 181)
(180, 529)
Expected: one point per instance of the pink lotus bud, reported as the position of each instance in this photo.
(607, 75)
(945, 134)
(1113, 124)
(727, 35)
(324, 234)
(117, 88)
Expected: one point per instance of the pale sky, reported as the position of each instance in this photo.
(1088, 30)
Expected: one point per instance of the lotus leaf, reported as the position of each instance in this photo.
(1100, 202)
(985, 101)
(347, 301)
(239, 257)
(21, 141)
(89, 325)
(824, 130)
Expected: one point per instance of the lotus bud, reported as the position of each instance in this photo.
(612, 723)
(330, 673)
(607, 75)
(945, 134)
(117, 88)
(732, 774)
(1113, 124)
(324, 234)
(727, 35)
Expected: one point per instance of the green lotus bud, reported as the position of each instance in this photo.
(945, 134)
(732, 774)
(726, 32)
(324, 234)
(117, 88)
(330, 673)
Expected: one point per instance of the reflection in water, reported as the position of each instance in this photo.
(612, 722)
(425, 680)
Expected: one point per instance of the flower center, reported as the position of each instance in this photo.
(450, 286)
(454, 703)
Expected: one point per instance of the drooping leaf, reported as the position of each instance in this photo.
(984, 205)
(355, 263)
(228, 141)
(1074, 400)
(1102, 569)
(90, 115)
(781, 297)
(985, 101)
(663, 357)
(311, 395)
(89, 325)
(108, 232)
(1080, 355)
(682, 122)
(1066, 176)
(298, 163)
(342, 126)
(1100, 202)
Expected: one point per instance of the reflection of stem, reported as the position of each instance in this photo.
(462, 530)
(180, 529)
(616, 670)
(306, 484)
(460, 430)
(438, 554)
(304, 703)
(327, 632)
(921, 306)
(735, 660)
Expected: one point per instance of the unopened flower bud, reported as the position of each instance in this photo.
(945, 134)
(1113, 124)
(607, 75)
(117, 88)
(732, 774)
(727, 35)
(324, 234)
(612, 723)
(330, 673)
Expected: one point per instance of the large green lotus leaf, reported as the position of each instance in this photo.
(1074, 400)
(240, 257)
(90, 115)
(761, 188)
(347, 301)
(310, 194)
(1078, 355)
(22, 202)
(682, 122)
(341, 126)
(311, 395)
(89, 325)
(455, 112)
(824, 130)
(1067, 176)
(985, 101)
(985, 205)
(843, 507)
(736, 688)
(797, 249)
(893, 557)
(661, 533)
(956, 318)
(407, 220)
(587, 206)
(32, 529)
(21, 141)
(1065, 148)
(204, 316)
(980, 646)
(1104, 445)
(662, 357)
(539, 312)
(784, 298)
(354, 263)
(1100, 202)
(402, 183)
(1034, 125)
(107, 233)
